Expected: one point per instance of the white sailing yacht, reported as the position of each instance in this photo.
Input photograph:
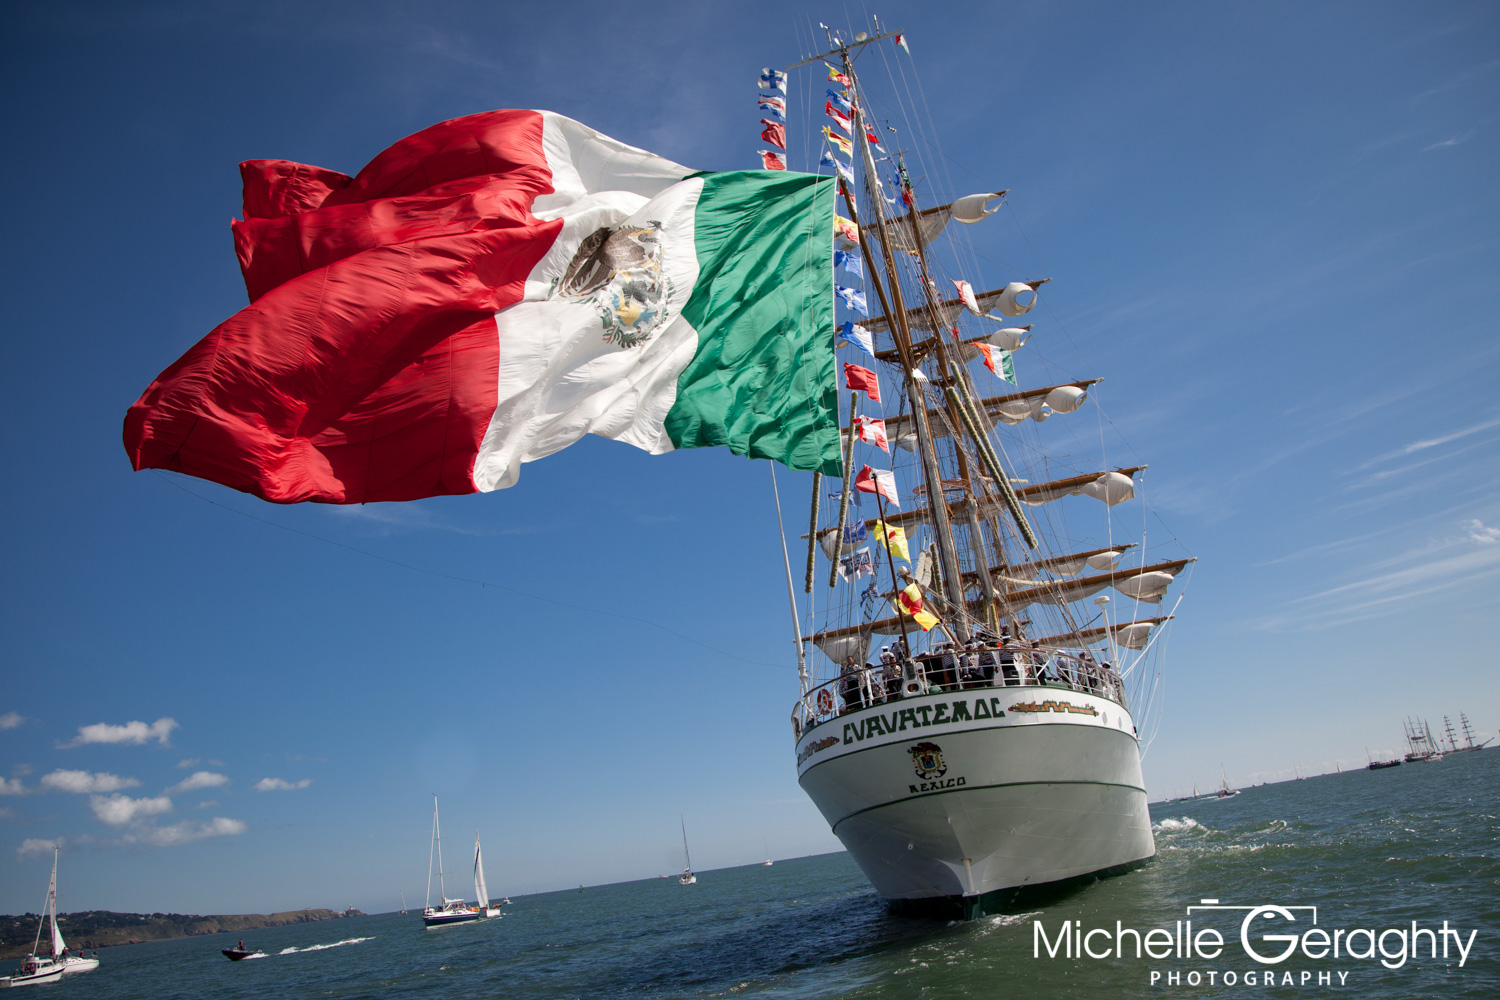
(481, 891)
(767, 844)
(1225, 791)
(687, 877)
(451, 911)
(992, 746)
(35, 968)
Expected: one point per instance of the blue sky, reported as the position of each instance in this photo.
(1272, 229)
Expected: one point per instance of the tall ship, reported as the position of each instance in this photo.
(1420, 746)
(1468, 734)
(977, 539)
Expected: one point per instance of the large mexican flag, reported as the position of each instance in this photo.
(486, 292)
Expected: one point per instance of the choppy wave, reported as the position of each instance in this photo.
(322, 947)
(1177, 825)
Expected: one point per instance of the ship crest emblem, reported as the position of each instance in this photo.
(927, 758)
(619, 272)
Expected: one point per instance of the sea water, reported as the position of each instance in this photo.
(1373, 851)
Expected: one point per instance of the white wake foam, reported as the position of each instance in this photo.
(1177, 825)
(322, 947)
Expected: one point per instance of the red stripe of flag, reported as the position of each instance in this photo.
(365, 367)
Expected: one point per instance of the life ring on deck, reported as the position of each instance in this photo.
(825, 701)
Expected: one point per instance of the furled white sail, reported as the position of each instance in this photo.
(480, 889)
(973, 207)
(1011, 338)
(1009, 302)
(1111, 488)
(828, 541)
(840, 648)
(1135, 635)
(1148, 587)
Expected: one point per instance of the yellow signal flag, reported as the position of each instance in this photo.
(893, 537)
(910, 602)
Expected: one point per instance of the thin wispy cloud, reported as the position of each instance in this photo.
(1460, 563)
(136, 733)
(280, 784)
(119, 810)
(11, 720)
(407, 517)
(12, 786)
(191, 762)
(186, 832)
(1426, 443)
(199, 780)
(1457, 140)
(1463, 79)
(85, 783)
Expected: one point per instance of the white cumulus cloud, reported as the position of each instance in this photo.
(118, 810)
(187, 831)
(11, 720)
(197, 780)
(131, 732)
(84, 783)
(1481, 534)
(280, 784)
(12, 786)
(36, 845)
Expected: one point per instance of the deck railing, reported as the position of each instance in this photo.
(970, 670)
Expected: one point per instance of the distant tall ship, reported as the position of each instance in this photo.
(1420, 746)
(991, 746)
(1468, 733)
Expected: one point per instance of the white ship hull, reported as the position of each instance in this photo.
(73, 963)
(1043, 786)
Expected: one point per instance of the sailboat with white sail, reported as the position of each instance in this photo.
(687, 877)
(450, 911)
(481, 891)
(993, 746)
(37, 968)
(1225, 792)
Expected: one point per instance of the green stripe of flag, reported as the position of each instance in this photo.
(762, 381)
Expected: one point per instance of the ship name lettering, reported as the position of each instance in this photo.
(921, 716)
(937, 786)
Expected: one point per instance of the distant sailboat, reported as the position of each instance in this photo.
(481, 891)
(403, 902)
(1225, 791)
(451, 911)
(687, 877)
(768, 862)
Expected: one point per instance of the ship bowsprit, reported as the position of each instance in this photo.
(964, 816)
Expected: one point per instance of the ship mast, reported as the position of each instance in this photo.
(896, 309)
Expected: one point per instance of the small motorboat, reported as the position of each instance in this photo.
(238, 952)
(33, 970)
